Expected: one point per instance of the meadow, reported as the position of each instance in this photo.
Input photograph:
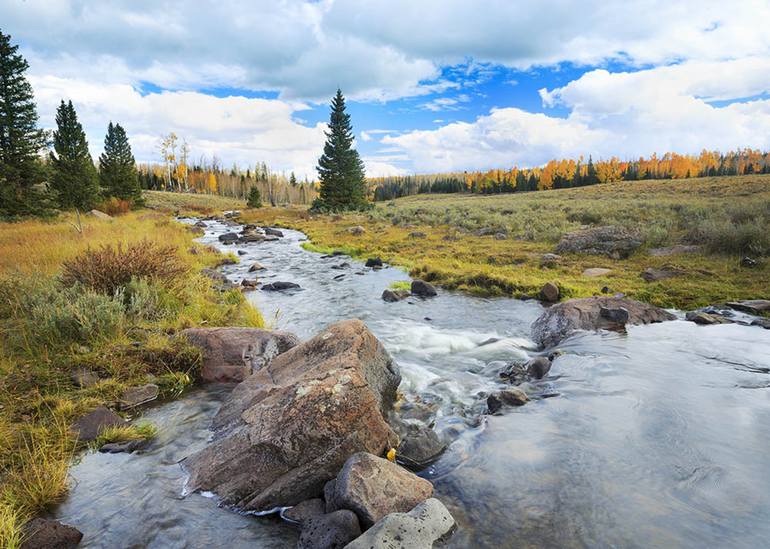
(450, 239)
(107, 296)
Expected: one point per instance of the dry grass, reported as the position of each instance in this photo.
(191, 204)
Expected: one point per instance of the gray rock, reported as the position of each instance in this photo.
(511, 396)
(232, 354)
(373, 487)
(550, 292)
(615, 315)
(423, 289)
(538, 367)
(357, 230)
(428, 523)
(374, 262)
(751, 306)
(288, 429)
(549, 260)
(84, 378)
(249, 284)
(89, 426)
(331, 531)
(304, 511)
(273, 232)
(501, 236)
(612, 241)
(279, 286)
(653, 275)
(563, 319)
(419, 447)
(41, 533)
(762, 323)
(706, 319)
(391, 296)
(100, 215)
(256, 267)
(593, 272)
(201, 224)
(228, 238)
(128, 446)
(330, 504)
(136, 396)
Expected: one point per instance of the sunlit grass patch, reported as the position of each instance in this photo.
(125, 433)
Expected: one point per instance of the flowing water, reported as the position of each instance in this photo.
(657, 438)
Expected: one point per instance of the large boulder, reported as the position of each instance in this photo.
(423, 289)
(592, 313)
(232, 354)
(289, 428)
(615, 242)
(373, 487)
(41, 533)
(420, 528)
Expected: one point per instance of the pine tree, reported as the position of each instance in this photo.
(74, 179)
(20, 139)
(255, 198)
(340, 169)
(117, 167)
(293, 180)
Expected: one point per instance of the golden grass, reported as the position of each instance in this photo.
(43, 339)
(665, 212)
(191, 204)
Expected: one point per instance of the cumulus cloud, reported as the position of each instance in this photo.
(626, 114)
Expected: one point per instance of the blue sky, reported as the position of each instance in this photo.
(434, 85)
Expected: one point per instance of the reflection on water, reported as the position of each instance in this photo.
(657, 438)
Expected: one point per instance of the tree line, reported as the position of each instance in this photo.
(32, 183)
(559, 174)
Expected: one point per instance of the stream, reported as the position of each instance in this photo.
(657, 438)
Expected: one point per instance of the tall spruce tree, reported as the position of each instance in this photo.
(20, 139)
(74, 175)
(340, 169)
(117, 167)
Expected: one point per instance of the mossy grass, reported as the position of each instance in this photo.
(52, 326)
(728, 216)
(125, 433)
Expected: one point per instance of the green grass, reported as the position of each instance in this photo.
(126, 433)
(190, 204)
(728, 216)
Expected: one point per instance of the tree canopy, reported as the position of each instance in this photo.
(117, 167)
(74, 177)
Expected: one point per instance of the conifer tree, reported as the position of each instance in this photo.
(74, 175)
(117, 167)
(293, 180)
(340, 169)
(20, 139)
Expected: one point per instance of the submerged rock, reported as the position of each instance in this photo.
(428, 523)
(374, 262)
(612, 241)
(391, 296)
(232, 354)
(751, 306)
(279, 286)
(538, 367)
(289, 428)
(592, 313)
(373, 487)
(89, 426)
(127, 446)
(423, 289)
(256, 267)
(512, 396)
(273, 232)
(419, 447)
(42, 533)
(706, 319)
(228, 238)
(331, 531)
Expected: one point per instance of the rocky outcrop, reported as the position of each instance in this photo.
(423, 289)
(331, 531)
(232, 354)
(592, 313)
(289, 428)
(426, 524)
(373, 487)
(41, 533)
(89, 426)
(612, 241)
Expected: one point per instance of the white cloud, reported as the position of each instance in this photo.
(612, 114)
(234, 129)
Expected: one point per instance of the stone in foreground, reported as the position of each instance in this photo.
(40, 533)
(232, 354)
(90, 425)
(289, 428)
(373, 487)
(591, 313)
(332, 531)
(420, 528)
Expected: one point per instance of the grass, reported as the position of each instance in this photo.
(728, 216)
(121, 325)
(188, 204)
(125, 433)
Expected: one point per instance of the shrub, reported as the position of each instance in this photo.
(724, 236)
(255, 199)
(111, 268)
(114, 206)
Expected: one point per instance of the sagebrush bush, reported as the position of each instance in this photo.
(110, 268)
(727, 237)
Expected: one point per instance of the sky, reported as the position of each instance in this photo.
(432, 85)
